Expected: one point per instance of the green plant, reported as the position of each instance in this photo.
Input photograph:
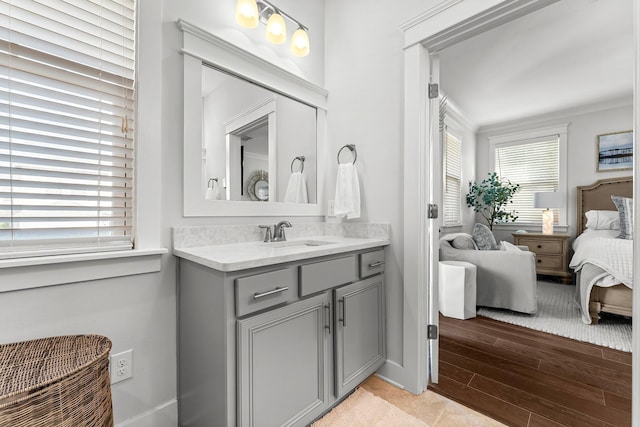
(491, 197)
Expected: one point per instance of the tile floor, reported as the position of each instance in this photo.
(430, 407)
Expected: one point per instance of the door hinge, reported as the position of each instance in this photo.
(432, 211)
(432, 332)
(433, 90)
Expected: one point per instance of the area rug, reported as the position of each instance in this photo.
(558, 314)
(363, 409)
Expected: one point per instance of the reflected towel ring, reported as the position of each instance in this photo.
(352, 148)
(209, 182)
(301, 158)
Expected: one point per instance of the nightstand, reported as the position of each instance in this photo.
(552, 252)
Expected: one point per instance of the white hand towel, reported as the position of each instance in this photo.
(213, 192)
(347, 199)
(296, 189)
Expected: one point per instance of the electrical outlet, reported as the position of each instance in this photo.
(331, 208)
(121, 366)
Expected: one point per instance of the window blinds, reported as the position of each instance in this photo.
(452, 179)
(535, 166)
(66, 126)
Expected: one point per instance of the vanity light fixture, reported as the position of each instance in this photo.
(276, 31)
(249, 12)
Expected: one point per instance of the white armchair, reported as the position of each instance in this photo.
(505, 279)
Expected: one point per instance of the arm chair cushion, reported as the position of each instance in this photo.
(505, 279)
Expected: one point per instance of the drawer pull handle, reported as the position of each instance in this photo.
(539, 261)
(539, 246)
(275, 291)
(376, 264)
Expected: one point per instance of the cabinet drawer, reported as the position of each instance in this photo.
(371, 263)
(324, 275)
(262, 291)
(542, 246)
(548, 262)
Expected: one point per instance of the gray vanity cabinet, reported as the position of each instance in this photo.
(360, 332)
(279, 344)
(284, 358)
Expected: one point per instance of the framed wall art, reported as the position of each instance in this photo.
(615, 151)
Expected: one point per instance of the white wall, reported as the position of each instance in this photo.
(584, 126)
(364, 77)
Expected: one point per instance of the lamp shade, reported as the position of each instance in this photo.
(247, 13)
(300, 42)
(276, 29)
(547, 200)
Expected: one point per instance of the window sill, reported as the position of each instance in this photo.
(36, 272)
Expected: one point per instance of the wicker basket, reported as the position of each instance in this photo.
(58, 381)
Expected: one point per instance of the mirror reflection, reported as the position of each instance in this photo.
(253, 139)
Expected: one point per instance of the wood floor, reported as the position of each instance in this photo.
(523, 377)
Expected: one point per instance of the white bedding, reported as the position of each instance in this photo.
(603, 261)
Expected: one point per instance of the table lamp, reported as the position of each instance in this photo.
(547, 201)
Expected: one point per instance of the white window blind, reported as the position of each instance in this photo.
(66, 126)
(452, 179)
(535, 166)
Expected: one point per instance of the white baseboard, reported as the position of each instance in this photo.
(392, 373)
(165, 415)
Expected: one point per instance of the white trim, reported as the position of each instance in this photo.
(164, 415)
(36, 272)
(451, 22)
(229, 57)
(635, 382)
(533, 133)
(414, 218)
(201, 46)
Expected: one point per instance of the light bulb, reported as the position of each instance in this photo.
(247, 13)
(300, 42)
(276, 29)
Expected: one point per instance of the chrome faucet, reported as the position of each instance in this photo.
(267, 235)
(278, 231)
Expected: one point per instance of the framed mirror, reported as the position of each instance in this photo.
(245, 122)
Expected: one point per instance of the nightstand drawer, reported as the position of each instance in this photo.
(540, 246)
(548, 262)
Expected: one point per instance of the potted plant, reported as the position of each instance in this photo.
(491, 197)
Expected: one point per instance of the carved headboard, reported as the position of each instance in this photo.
(597, 196)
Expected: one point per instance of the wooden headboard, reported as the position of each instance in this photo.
(597, 196)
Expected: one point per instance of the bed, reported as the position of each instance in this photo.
(599, 291)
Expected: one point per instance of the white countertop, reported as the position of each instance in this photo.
(241, 256)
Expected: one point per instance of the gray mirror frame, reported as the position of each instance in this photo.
(200, 46)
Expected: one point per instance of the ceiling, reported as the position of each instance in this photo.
(570, 54)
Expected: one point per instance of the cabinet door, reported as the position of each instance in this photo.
(283, 364)
(360, 332)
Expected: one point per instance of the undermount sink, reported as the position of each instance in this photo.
(290, 243)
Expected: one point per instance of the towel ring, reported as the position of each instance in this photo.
(352, 148)
(301, 158)
(209, 182)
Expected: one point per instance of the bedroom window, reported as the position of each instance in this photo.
(66, 126)
(532, 159)
(452, 178)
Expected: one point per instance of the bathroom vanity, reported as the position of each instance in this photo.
(276, 333)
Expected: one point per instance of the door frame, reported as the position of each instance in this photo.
(450, 22)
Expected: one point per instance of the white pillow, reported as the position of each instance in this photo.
(509, 247)
(603, 220)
